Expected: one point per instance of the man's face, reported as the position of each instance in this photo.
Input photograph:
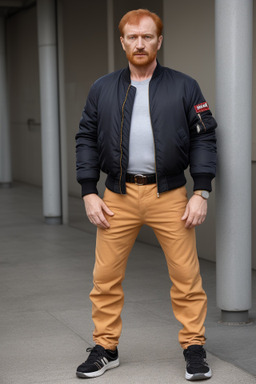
(140, 42)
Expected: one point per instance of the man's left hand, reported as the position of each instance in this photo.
(195, 212)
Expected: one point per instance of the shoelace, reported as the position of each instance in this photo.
(196, 357)
(94, 352)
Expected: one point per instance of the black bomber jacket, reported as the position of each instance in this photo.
(182, 123)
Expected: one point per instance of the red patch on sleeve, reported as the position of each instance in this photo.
(202, 107)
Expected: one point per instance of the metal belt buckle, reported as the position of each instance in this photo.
(140, 179)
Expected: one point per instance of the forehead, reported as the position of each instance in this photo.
(144, 25)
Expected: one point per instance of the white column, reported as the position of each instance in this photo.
(47, 43)
(62, 114)
(233, 30)
(5, 151)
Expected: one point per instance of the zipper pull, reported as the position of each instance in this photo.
(201, 121)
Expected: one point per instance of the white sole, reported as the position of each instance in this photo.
(198, 376)
(111, 365)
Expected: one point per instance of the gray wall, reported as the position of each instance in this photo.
(188, 46)
(85, 59)
(23, 83)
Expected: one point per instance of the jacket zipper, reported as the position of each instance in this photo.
(157, 194)
(121, 140)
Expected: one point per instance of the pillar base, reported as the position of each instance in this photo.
(237, 317)
(5, 185)
(53, 220)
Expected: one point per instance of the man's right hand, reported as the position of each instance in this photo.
(95, 209)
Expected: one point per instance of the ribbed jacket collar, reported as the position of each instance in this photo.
(127, 73)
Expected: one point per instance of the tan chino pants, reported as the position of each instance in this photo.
(142, 206)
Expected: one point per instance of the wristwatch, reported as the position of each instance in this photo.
(204, 194)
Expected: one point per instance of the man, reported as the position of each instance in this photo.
(143, 126)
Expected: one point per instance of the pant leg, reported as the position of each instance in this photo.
(189, 300)
(113, 246)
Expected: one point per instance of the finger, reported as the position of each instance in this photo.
(195, 221)
(107, 210)
(92, 219)
(186, 213)
(98, 220)
(192, 221)
(189, 222)
(202, 219)
(102, 226)
(102, 222)
(99, 224)
(189, 225)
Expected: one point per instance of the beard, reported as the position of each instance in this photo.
(141, 58)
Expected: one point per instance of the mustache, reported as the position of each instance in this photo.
(139, 52)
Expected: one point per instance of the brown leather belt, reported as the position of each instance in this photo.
(140, 179)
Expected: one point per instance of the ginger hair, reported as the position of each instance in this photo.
(134, 17)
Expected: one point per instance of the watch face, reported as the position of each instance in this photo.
(205, 194)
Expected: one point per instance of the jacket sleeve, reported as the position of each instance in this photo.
(87, 159)
(203, 149)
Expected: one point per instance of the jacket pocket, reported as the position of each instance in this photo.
(183, 145)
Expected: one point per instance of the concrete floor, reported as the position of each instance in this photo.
(45, 320)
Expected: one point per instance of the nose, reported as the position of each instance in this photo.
(140, 43)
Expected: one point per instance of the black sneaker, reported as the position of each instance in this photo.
(196, 365)
(99, 361)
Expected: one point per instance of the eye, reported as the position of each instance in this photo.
(147, 37)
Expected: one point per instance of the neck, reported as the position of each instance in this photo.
(140, 73)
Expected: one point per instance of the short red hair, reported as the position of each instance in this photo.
(134, 17)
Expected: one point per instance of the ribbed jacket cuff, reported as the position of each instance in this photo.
(203, 181)
(89, 186)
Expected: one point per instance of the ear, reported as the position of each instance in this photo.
(160, 40)
(122, 42)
